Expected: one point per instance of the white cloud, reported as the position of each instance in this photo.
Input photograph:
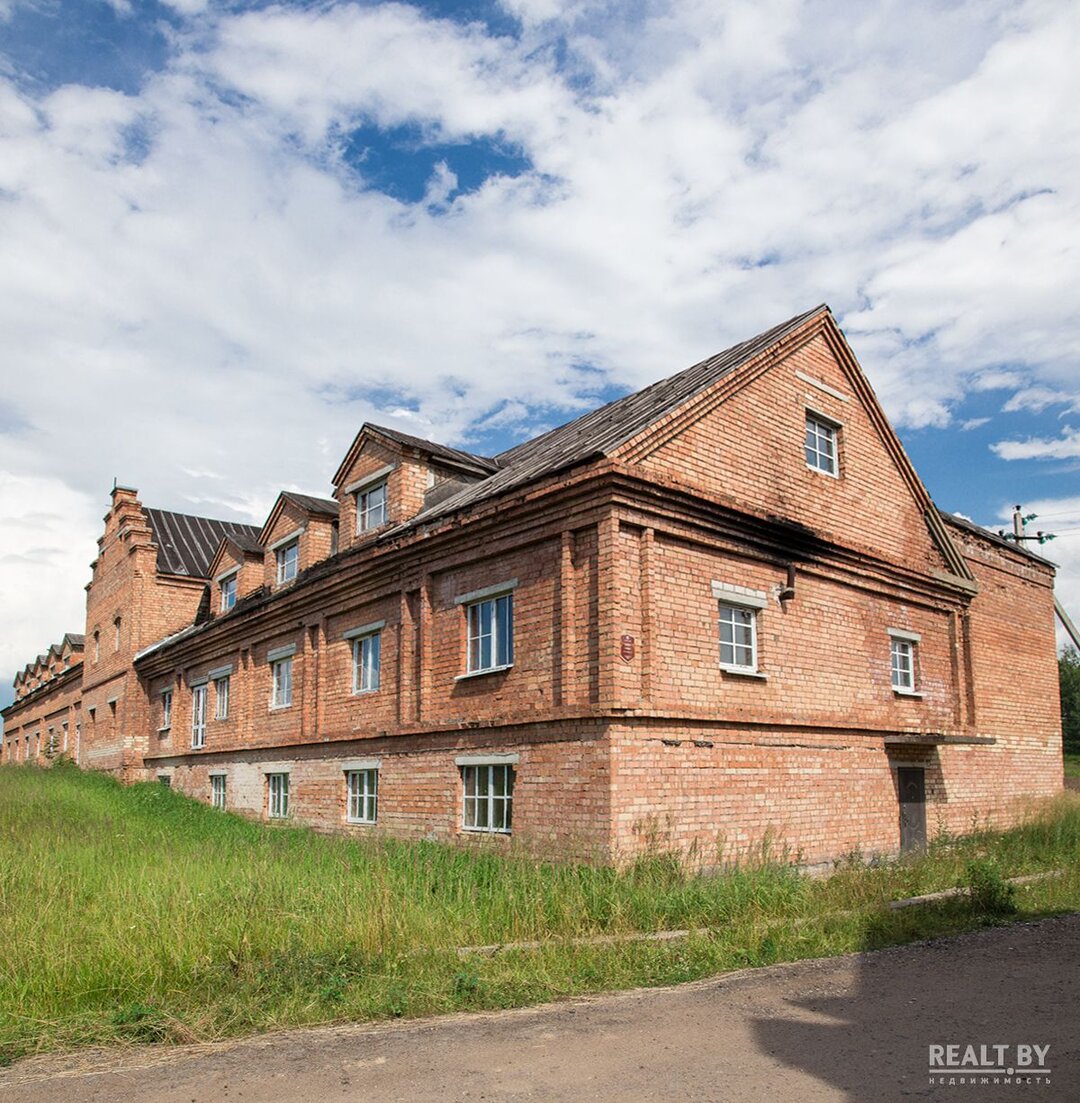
(1038, 399)
(1065, 447)
(47, 532)
(200, 296)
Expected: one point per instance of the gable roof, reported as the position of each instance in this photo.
(243, 543)
(186, 544)
(601, 431)
(452, 457)
(310, 504)
(306, 503)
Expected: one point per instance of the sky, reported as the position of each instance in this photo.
(231, 232)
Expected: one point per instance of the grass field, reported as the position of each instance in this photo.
(1072, 764)
(135, 914)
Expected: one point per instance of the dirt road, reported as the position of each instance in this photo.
(852, 1028)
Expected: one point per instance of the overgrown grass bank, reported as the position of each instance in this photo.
(134, 914)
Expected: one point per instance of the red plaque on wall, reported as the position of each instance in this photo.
(626, 648)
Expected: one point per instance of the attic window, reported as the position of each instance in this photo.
(371, 511)
(821, 444)
(228, 592)
(288, 561)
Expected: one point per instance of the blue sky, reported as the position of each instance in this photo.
(476, 220)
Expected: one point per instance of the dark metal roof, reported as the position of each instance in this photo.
(186, 544)
(306, 502)
(993, 537)
(245, 543)
(601, 431)
(454, 456)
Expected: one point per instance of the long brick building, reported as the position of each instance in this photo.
(719, 611)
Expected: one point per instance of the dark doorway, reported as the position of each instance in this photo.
(911, 781)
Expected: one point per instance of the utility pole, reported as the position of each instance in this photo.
(1019, 534)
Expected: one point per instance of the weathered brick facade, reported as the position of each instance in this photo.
(668, 623)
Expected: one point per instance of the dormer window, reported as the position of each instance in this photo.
(371, 511)
(228, 592)
(288, 561)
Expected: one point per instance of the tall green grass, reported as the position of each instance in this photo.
(135, 914)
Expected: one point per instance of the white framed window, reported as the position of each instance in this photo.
(221, 698)
(362, 789)
(821, 441)
(217, 790)
(738, 637)
(166, 709)
(198, 716)
(490, 633)
(288, 561)
(371, 507)
(366, 662)
(902, 653)
(488, 794)
(64, 729)
(281, 697)
(228, 592)
(277, 795)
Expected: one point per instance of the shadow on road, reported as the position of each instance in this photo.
(1003, 986)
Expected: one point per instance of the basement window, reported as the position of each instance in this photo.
(362, 790)
(217, 791)
(277, 789)
(488, 793)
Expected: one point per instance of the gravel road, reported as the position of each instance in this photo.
(851, 1028)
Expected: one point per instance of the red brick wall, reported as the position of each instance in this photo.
(748, 451)
(560, 800)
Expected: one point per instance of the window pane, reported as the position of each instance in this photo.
(504, 630)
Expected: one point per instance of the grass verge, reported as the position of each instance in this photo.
(1072, 763)
(137, 915)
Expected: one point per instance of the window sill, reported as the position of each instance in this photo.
(480, 674)
(166, 730)
(742, 672)
(280, 708)
(485, 831)
(822, 471)
(906, 693)
(365, 693)
(361, 823)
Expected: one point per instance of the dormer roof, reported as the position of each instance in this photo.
(467, 462)
(306, 503)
